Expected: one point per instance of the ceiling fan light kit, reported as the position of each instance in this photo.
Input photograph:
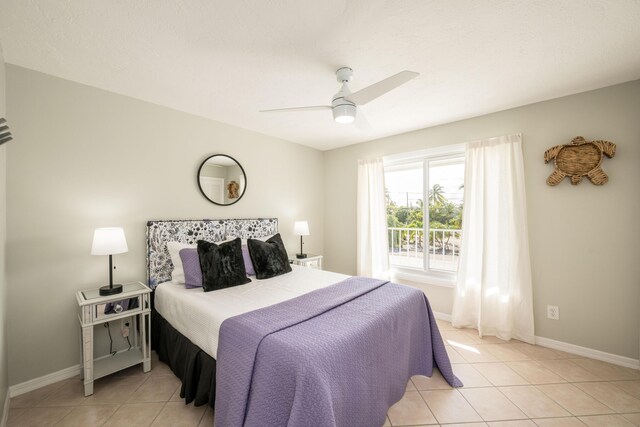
(344, 104)
(345, 113)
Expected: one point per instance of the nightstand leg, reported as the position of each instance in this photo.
(145, 338)
(81, 355)
(87, 359)
(136, 329)
(88, 388)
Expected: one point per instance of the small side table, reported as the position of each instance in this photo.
(312, 261)
(94, 309)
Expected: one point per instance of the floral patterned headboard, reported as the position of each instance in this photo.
(159, 264)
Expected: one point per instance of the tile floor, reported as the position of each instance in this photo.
(506, 384)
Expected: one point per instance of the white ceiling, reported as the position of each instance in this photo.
(227, 59)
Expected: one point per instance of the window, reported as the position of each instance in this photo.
(424, 237)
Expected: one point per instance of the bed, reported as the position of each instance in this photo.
(308, 347)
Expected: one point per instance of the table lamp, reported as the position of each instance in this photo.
(301, 228)
(109, 241)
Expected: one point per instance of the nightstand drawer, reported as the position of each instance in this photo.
(314, 263)
(116, 308)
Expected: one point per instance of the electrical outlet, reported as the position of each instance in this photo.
(124, 328)
(553, 312)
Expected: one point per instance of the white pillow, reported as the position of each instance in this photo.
(177, 275)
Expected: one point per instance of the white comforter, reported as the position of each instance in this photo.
(198, 315)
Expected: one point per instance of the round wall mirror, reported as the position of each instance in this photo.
(222, 179)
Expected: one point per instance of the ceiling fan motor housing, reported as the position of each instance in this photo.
(343, 111)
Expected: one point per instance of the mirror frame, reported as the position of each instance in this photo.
(200, 186)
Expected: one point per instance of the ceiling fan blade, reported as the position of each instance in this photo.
(361, 122)
(314, 108)
(375, 90)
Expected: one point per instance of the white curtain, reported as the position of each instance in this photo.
(372, 250)
(494, 291)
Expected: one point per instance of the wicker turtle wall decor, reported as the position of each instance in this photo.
(578, 159)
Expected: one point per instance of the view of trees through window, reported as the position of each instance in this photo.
(406, 213)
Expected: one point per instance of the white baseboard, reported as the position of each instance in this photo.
(442, 316)
(615, 359)
(5, 411)
(36, 383)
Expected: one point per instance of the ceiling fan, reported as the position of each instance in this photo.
(344, 103)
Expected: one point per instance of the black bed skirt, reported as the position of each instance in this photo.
(195, 368)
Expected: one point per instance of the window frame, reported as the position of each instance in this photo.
(425, 275)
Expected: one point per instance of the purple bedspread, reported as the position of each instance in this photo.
(339, 356)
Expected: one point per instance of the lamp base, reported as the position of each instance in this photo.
(300, 256)
(108, 290)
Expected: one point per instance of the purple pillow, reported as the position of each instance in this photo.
(191, 266)
(248, 265)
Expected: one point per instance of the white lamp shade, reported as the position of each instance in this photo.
(301, 228)
(109, 241)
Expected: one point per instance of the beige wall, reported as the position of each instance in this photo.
(85, 158)
(584, 240)
(3, 238)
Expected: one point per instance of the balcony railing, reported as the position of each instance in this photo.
(407, 248)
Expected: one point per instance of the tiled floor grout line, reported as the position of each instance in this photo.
(158, 414)
(469, 403)
(512, 402)
(425, 402)
(553, 400)
(613, 409)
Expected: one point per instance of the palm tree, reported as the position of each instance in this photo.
(436, 195)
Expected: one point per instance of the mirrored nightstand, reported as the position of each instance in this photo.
(94, 309)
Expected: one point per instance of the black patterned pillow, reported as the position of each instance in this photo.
(222, 265)
(269, 258)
